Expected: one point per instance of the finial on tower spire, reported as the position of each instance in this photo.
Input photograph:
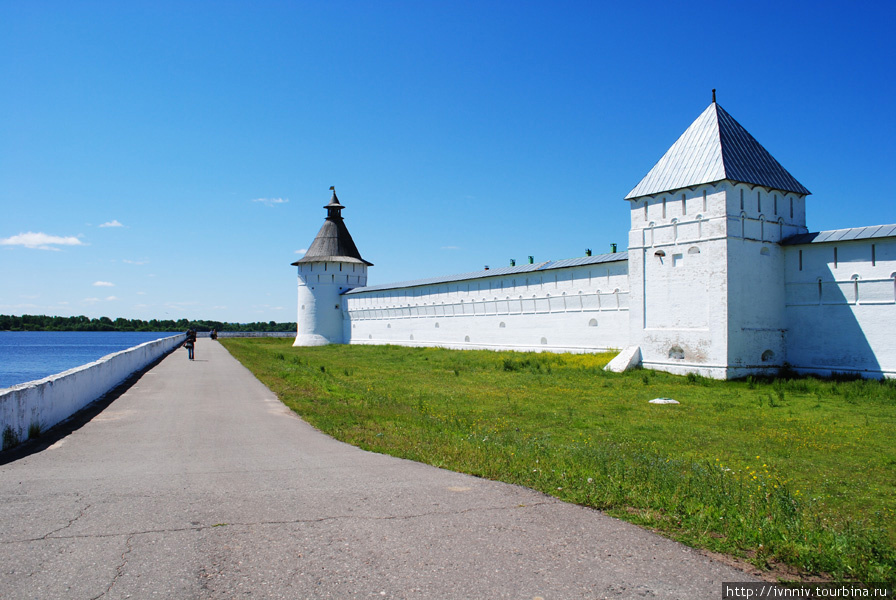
(333, 187)
(713, 101)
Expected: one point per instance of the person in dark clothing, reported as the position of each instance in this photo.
(190, 344)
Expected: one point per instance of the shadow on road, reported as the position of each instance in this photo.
(77, 420)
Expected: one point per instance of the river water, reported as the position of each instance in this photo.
(29, 355)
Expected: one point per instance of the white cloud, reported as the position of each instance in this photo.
(90, 300)
(302, 251)
(110, 298)
(103, 284)
(450, 248)
(40, 241)
(135, 262)
(112, 223)
(271, 201)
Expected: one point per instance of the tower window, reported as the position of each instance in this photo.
(791, 208)
(759, 201)
(704, 200)
(684, 205)
(776, 204)
(873, 257)
(835, 257)
(664, 208)
(801, 260)
(645, 209)
(741, 199)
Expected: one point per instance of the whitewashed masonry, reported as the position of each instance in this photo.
(721, 278)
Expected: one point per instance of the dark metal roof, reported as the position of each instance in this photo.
(333, 242)
(542, 266)
(713, 148)
(841, 235)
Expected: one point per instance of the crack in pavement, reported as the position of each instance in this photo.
(131, 534)
(119, 570)
(67, 525)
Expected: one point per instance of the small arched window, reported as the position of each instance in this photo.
(741, 200)
(693, 250)
(768, 356)
(762, 228)
(855, 288)
(592, 323)
(765, 251)
(676, 353)
(819, 290)
(743, 224)
(675, 230)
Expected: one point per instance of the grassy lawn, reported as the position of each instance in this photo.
(790, 472)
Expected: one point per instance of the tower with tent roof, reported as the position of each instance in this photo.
(706, 267)
(331, 266)
(721, 278)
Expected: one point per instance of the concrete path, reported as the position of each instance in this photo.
(197, 483)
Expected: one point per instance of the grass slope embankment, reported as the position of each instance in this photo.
(791, 474)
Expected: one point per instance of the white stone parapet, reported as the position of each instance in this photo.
(43, 403)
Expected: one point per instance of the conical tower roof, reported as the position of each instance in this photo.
(333, 242)
(713, 148)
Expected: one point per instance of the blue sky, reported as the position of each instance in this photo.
(171, 159)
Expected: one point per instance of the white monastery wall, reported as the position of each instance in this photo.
(51, 400)
(569, 309)
(717, 280)
(840, 307)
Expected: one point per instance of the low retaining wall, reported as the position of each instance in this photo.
(46, 402)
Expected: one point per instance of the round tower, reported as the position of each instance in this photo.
(331, 267)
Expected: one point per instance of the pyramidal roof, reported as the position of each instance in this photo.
(333, 242)
(715, 147)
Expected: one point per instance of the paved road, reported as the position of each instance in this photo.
(197, 483)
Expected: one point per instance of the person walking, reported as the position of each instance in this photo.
(190, 344)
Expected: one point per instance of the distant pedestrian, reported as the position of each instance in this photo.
(190, 344)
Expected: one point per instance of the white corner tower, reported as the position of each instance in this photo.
(706, 265)
(331, 267)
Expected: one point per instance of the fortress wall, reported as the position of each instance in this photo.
(840, 309)
(49, 401)
(572, 309)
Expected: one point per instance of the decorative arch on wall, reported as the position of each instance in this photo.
(743, 224)
(592, 323)
(693, 250)
(767, 356)
(765, 251)
(676, 353)
(855, 287)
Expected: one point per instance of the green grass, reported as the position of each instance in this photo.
(790, 471)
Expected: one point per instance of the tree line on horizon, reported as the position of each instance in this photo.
(82, 323)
